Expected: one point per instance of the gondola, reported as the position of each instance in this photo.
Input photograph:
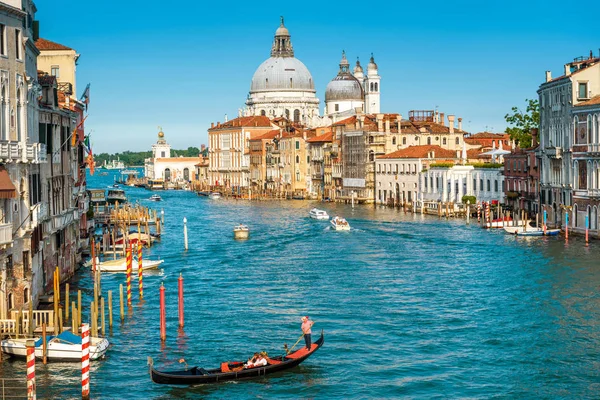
(228, 371)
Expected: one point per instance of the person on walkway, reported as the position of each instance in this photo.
(306, 325)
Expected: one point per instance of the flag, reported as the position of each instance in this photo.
(86, 143)
(90, 162)
(85, 97)
(74, 133)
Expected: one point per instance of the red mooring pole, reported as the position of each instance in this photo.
(140, 270)
(129, 267)
(163, 314)
(85, 361)
(180, 281)
(30, 344)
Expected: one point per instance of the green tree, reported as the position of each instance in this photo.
(521, 123)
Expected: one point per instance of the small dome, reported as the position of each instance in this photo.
(358, 67)
(282, 31)
(372, 65)
(344, 87)
(161, 134)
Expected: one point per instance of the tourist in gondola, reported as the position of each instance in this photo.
(261, 361)
(251, 361)
(306, 325)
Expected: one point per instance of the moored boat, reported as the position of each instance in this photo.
(231, 371)
(115, 195)
(539, 232)
(241, 232)
(503, 222)
(315, 213)
(120, 265)
(63, 347)
(340, 224)
(520, 227)
(215, 195)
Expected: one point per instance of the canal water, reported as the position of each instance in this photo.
(411, 307)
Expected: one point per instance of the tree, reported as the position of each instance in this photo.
(522, 123)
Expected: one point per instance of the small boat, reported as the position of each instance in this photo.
(503, 222)
(63, 347)
(539, 232)
(340, 224)
(155, 197)
(315, 213)
(241, 232)
(120, 265)
(215, 195)
(232, 371)
(115, 195)
(520, 227)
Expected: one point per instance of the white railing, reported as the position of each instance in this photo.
(6, 234)
(9, 151)
(30, 150)
(39, 317)
(62, 220)
(8, 326)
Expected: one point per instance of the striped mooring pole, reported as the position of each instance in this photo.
(129, 267)
(478, 212)
(140, 270)
(487, 213)
(30, 370)
(85, 361)
(587, 228)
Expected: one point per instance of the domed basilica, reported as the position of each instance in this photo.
(282, 86)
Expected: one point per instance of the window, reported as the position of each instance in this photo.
(403, 140)
(2, 39)
(296, 115)
(54, 71)
(337, 107)
(428, 140)
(457, 141)
(18, 43)
(25, 295)
(376, 86)
(287, 114)
(162, 154)
(481, 184)
(263, 113)
(26, 264)
(297, 159)
(489, 187)
(495, 185)
(297, 144)
(582, 92)
(444, 141)
(394, 140)
(474, 184)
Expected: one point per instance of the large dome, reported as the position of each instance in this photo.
(282, 74)
(344, 87)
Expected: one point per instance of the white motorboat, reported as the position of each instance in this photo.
(155, 197)
(120, 265)
(521, 227)
(539, 232)
(340, 224)
(503, 222)
(215, 195)
(315, 213)
(63, 347)
(241, 232)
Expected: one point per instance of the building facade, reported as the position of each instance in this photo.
(522, 174)
(164, 168)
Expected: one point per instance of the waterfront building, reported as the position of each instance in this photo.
(428, 127)
(261, 156)
(486, 141)
(586, 164)
(229, 149)
(294, 174)
(59, 61)
(320, 149)
(397, 173)
(168, 170)
(522, 175)
(557, 97)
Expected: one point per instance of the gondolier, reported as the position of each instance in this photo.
(306, 325)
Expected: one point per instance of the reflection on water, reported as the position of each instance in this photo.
(411, 307)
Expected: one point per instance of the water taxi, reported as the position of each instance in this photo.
(155, 197)
(340, 224)
(63, 347)
(315, 213)
(215, 195)
(241, 232)
(115, 195)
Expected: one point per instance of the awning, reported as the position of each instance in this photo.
(7, 189)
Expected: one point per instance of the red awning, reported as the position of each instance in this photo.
(7, 189)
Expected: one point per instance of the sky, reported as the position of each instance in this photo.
(185, 64)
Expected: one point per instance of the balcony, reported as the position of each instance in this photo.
(10, 151)
(6, 234)
(39, 213)
(62, 220)
(554, 152)
(40, 153)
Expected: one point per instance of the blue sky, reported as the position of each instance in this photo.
(185, 64)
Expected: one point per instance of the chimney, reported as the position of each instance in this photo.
(361, 120)
(379, 118)
(460, 124)
(534, 137)
(432, 153)
(239, 112)
(212, 125)
(567, 69)
(387, 126)
(548, 76)
(441, 119)
(225, 117)
(451, 123)
(399, 120)
(202, 147)
(436, 117)
(357, 124)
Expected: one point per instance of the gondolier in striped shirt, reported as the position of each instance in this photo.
(306, 325)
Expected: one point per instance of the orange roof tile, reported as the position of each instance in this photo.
(177, 159)
(269, 135)
(420, 152)
(248, 122)
(44, 44)
(593, 101)
(489, 135)
(327, 137)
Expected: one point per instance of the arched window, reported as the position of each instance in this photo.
(287, 114)
(291, 83)
(263, 113)
(589, 129)
(376, 86)
(371, 139)
(457, 141)
(371, 87)
(167, 174)
(4, 115)
(297, 159)
(296, 115)
(428, 140)
(403, 140)
(25, 295)
(186, 174)
(19, 117)
(371, 156)
(11, 301)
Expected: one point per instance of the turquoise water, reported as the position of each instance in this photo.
(411, 306)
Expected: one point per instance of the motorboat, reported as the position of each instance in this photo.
(241, 232)
(155, 197)
(233, 371)
(215, 195)
(315, 213)
(115, 195)
(120, 264)
(340, 224)
(519, 227)
(539, 232)
(63, 347)
(503, 222)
